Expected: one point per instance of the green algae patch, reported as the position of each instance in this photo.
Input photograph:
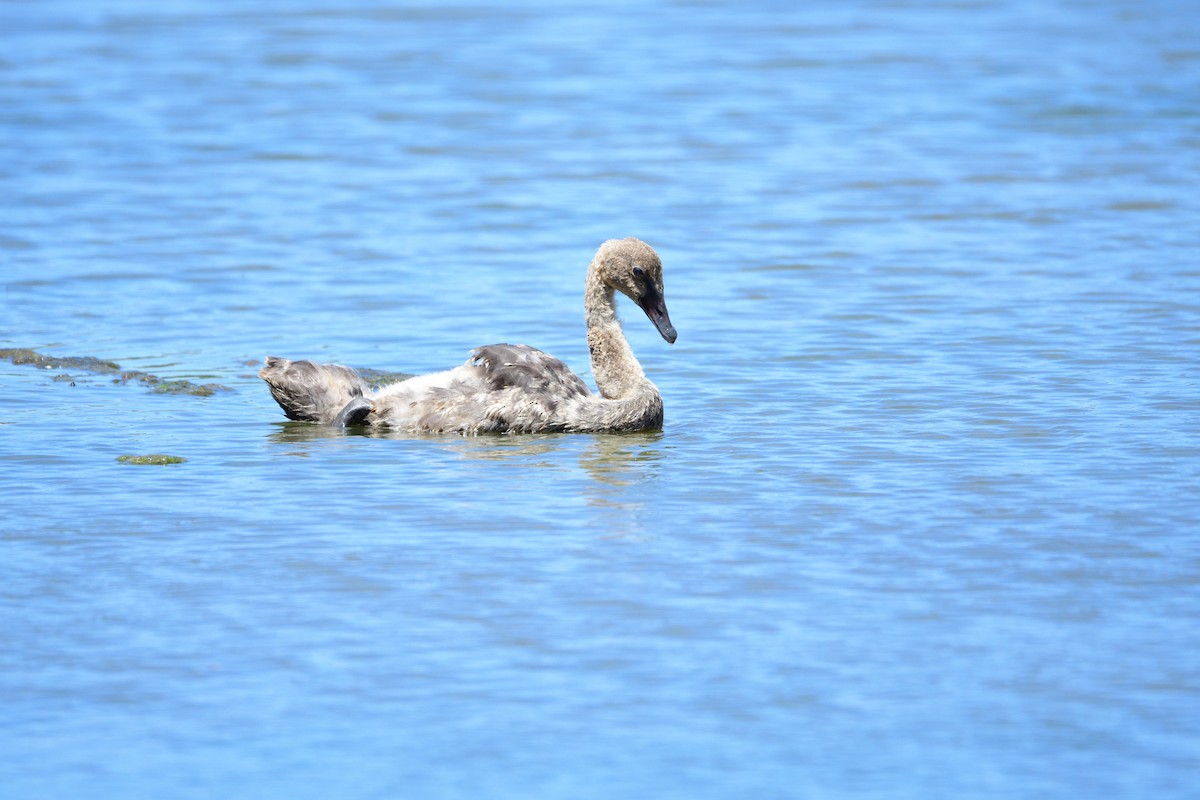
(159, 386)
(19, 355)
(156, 459)
(98, 366)
(187, 387)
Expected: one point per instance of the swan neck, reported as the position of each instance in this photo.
(617, 371)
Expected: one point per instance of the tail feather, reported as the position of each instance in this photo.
(311, 392)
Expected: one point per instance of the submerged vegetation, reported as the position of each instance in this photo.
(376, 378)
(97, 366)
(156, 459)
(85, 363)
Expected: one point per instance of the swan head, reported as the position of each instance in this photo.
(631, 267)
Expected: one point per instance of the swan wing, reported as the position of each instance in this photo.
(518, 366)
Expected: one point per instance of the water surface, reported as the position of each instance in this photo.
(921, 521)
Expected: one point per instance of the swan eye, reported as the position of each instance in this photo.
(638, 272)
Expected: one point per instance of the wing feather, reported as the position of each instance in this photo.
(509, 366)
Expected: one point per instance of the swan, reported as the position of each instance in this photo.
(506, 388)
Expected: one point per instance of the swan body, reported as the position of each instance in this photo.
(506, 388)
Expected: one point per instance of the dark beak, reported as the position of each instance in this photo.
(655, 306)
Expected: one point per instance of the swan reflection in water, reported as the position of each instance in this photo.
(609, 458)
(612, 463)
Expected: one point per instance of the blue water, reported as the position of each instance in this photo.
(922, 518)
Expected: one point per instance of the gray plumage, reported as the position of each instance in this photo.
(506, 388)
(307, 392)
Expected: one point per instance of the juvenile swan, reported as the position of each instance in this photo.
(506, 388)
